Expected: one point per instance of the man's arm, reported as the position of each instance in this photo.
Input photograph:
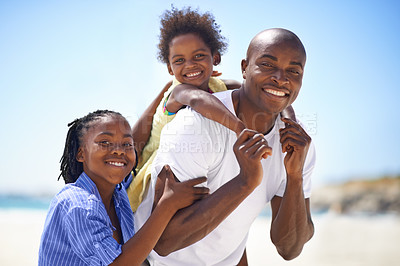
(292, 225)
(196, 221)
(142, 128)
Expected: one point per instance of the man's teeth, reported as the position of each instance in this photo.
(193, 74)
(116, 163)
(274, 92)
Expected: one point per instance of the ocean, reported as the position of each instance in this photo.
(8, 202)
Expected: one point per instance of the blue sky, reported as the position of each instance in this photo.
(60, 60)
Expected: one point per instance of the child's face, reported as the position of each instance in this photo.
(107, 151)
(190, 60)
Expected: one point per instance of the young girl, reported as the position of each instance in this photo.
(90, 220)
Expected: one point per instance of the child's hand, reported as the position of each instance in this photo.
(181, 194)
(215, 73)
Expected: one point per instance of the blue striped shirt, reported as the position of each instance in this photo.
(78, 230)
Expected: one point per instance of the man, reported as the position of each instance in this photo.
(273, 165)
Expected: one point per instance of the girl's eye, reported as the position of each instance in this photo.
(104, 143)
(179, 60)
(128, 144)
(198, 56)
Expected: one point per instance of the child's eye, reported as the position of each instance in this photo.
(198, 56)
(128, 144)
(179, 60)
(104, 143)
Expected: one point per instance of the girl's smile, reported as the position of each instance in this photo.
(107, 151)
(190, 60)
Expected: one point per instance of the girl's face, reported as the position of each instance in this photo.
(191, 60)
(107, 151)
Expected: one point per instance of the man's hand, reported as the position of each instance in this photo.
(295, 142)
(250, 148)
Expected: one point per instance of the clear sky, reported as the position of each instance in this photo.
(60, 60)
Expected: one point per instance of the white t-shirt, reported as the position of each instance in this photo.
(195, 146)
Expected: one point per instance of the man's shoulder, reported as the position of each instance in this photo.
(225, 97)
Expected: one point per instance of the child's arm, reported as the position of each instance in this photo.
(176, 195)
(231, 84)
(142, 128)
(204, 103)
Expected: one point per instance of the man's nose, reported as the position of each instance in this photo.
(279, 77)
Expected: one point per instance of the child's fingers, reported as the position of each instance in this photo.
(216, 73)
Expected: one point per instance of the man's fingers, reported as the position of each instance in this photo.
(258, 149)
(253, 144)
(201, 190)
(292, 125)
(195, 181)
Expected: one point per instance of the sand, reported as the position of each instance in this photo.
(338, 240)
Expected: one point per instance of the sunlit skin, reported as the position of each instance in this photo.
(107, 152)
(273, 73)
(108, 156)
(191, 60)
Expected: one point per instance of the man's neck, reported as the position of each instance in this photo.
(251, 116)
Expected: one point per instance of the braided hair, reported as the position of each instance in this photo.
(70, 168)
(177, 22)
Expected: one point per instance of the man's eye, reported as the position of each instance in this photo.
(267, 65)
(294, 71)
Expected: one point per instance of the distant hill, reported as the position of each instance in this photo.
(375, 196)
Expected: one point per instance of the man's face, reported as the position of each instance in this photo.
(273, 74)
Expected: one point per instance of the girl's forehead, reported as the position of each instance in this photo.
(109, 123)
(183, 39)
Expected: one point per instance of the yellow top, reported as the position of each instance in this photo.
(160, 119)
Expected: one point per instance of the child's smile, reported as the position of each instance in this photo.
(107, 151)
(190, 60)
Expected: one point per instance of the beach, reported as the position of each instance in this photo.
(344, 240)
(338, 240)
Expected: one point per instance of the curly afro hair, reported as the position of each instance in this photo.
(177, 22)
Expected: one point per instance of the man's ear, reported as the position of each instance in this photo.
(79, 155)
(244, 66)
(216, 59)
(170, 69)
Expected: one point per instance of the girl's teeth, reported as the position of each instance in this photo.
(193, 74)
(116, 163)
